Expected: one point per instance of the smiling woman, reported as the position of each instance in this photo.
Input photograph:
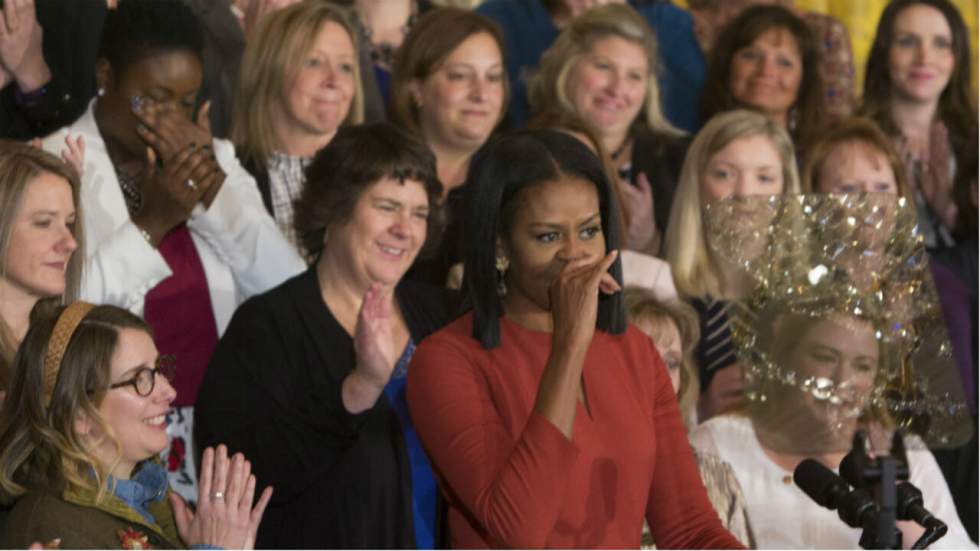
(299, 83)
(177, 229)
(309, 380)
(39, 234)
(79, 436)
(918, 89)
(449, 87)
(602, 70)
(766, 60)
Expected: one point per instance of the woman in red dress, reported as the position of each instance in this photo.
(549, 422)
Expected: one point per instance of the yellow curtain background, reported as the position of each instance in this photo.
(861, 19)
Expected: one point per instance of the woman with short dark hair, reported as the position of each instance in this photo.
(550, 422)
(309, 379)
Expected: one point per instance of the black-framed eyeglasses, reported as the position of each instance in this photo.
(145, 379)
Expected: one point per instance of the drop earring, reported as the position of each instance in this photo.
(501, 264)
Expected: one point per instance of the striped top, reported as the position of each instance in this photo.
(715, 350)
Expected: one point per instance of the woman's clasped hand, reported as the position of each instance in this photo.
(225, 516)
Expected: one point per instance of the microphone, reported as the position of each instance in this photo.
(909, 507)
(855, 507)
(820, 483)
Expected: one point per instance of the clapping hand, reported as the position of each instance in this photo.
(374, 349)
(725, 391)
(74, 153)
(21, 54)
(373, 337)
(638, 202)
(225, 517)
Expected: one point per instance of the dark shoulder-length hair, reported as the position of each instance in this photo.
(355, 159)
(500, 171)
(957, 106)
(752, 23)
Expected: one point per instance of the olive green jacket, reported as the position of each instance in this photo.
(81, 523)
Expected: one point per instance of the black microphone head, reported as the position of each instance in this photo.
(820, 483)
(852, 468)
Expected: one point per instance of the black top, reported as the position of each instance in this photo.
(72, 32)
(660, 157)
(433, 268)
(273, 392)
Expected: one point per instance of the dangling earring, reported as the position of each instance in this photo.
(794, 116)
(101, 92)
(501, 264)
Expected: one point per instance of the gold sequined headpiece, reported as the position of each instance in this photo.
(63, 330)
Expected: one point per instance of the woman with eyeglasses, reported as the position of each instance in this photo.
(177, 229)
(80, 434)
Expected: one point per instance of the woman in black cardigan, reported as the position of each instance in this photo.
(309, 377)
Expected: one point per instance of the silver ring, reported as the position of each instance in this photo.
(190, 184)
(218, 495)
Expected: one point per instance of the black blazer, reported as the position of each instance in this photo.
(273, 392)
(661, 158)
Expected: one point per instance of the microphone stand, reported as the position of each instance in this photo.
(878, 475)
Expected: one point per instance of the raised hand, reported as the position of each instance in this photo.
(374, 338)
(374, 348)
(166, 129)
(171, 192)
(21, 37)
(225, 516)
(74, 153)
(638, 201)
(725, 391)
(574, 297)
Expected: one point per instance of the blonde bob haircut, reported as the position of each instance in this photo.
(861, 134)
(273, 57)
(20, 164)
(549, 86)
(695, 273)
(643, 305)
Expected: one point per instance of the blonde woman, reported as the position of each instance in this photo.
(602, 70)
(39, 234)
(299, 82)
(672, 325)
(738, 153)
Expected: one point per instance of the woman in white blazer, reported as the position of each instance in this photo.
(177, 231)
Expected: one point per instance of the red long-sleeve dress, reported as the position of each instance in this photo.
(514, 480)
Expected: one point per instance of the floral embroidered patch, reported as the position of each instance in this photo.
(134, 539)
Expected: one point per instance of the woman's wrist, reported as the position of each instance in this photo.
(32, 76)
(359, 392)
